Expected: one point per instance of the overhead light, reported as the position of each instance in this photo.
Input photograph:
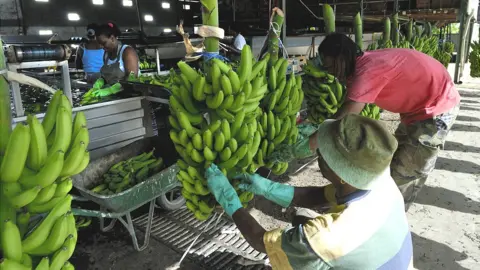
(127, 3)
(148, 18)
(45, 32)
(165, 5)
(73, 17)
(97, 2)
(41, 0)
(167, 30)
(186, 7)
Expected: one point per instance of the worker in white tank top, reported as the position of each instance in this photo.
(119, 60)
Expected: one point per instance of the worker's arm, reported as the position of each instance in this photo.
(250, 229)
(227, 197)
(349, 107)
(78, 58)
(286, 248)
(130, 61)
(282, 194)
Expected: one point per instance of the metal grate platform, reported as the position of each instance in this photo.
(221, 247)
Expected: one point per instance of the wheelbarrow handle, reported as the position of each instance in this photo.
(79, 198)
(95, 213)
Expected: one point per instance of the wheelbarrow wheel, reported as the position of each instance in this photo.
(171, 200)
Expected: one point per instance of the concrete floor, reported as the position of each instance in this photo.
(445, 220)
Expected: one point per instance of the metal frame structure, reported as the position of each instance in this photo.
(15, 67)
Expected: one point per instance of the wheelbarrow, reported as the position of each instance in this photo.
(158, 188)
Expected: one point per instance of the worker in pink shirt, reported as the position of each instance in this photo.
(403, 81)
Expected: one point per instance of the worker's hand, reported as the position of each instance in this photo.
(223, 191)
(102, 92)
(253, 183)
(280, 194)
(108, 91)
(301, 149)
(99, 83)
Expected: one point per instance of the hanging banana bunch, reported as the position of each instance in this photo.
(233, 118)
(371, 111)
(35, 179)
(324, 94)
(215, 121)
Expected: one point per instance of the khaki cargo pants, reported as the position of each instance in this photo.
(418, 146)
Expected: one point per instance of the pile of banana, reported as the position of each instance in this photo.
(323, 92)
(165, 80)
(126, 174)
(147, 64)
(82, 222)
(277, 124)
(423, 41)
(376, 45)
(371, 111)
(474, 59)
(425, 44)
(161, 80)
(35, 179)
(216, 119)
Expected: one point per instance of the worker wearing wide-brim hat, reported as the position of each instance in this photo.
(365, 226)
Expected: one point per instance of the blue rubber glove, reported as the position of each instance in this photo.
(280, 194)
(223, 191)
(301, 149)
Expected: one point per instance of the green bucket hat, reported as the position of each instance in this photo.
(358, 149)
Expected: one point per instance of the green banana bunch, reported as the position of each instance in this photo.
(128, 173)
(82, 222)
(214, 119)
(474, 59)
(277, 124)
(146, 65)
(56, 234)
(222, 116)
(424, 42)
(371, 111)
(35, 178)
(323, 92)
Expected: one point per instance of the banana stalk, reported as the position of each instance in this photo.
(395, 34)
(210, 17)
(410, 30)
(276, 23)
(329, 19)
(358, 28)
(386, 30)
(24, 79)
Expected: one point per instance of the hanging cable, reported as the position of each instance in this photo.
(309, 10)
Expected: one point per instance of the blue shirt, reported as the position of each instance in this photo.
(92, 60)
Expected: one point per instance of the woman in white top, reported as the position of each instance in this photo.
(119, 60)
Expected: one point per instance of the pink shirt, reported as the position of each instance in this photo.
(403, 81)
